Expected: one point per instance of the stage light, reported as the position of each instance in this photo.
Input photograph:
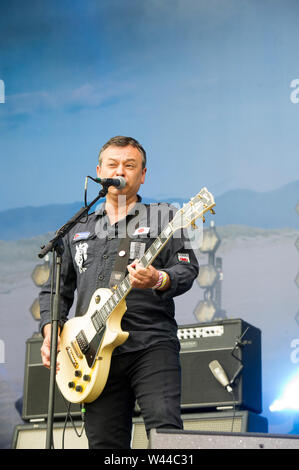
(207, 276)
(205, 311)
(289, 399)
(35, 310)
(210, 240)
(41, 273)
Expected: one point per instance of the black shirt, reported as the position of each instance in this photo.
(90, 252)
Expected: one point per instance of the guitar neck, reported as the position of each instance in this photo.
(120, 292)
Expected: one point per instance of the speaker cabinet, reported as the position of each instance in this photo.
(168, 439)
(219, 421)
(236, 345)
(33, 436)
(36, 386)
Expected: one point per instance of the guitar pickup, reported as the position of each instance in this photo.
(82, 342)
(77, 350)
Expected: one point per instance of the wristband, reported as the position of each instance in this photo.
(164, 280)
(159, 281)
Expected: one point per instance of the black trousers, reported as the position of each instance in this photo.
(153, 377)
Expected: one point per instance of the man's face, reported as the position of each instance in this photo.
(126, 162)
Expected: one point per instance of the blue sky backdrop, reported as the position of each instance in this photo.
(203, 84)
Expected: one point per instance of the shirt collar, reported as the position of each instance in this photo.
(101, 211)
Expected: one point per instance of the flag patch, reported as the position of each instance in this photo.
(81, 235)
(184, 257)
(141, 231)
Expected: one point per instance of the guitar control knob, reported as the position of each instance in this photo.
(78, 373)
(86, 377)
(71, 384)
(79, 388)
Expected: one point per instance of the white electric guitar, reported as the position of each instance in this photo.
(87, 342)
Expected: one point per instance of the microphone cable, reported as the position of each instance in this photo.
(234, 410)
(85, 188)
(239, 343)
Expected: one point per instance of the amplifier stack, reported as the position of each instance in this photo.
(236, 345)
(206, 404)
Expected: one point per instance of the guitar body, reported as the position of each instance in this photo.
(85, 353)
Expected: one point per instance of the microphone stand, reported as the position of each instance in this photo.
(55, 245)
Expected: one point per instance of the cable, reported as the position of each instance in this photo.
(234, 410)
(69, 417)
(68, 405)
(85, 197)
(85, 188)
(239, 343)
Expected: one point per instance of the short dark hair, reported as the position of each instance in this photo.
(123, 141)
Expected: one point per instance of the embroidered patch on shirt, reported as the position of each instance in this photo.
(141, 231)
(81, 235)
(137, 250)
(184, 257)
(81, 256)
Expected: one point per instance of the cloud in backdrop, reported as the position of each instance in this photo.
(205, 87)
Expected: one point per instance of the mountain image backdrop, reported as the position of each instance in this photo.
(269, 210)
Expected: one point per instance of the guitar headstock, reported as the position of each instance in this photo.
(195, 208)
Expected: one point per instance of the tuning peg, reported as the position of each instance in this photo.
(212, 211)
(194, 225)
(203, 219)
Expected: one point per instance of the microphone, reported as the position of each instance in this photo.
(220, 375)
(119, 182)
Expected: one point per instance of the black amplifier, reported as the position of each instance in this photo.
(236, 345)
(36, 387)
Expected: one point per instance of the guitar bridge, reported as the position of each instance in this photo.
(72, 357)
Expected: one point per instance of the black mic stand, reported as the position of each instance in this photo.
(55, 245)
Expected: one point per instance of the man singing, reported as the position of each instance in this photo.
(147, 366)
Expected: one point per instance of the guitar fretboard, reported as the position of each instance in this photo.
(100, 317)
